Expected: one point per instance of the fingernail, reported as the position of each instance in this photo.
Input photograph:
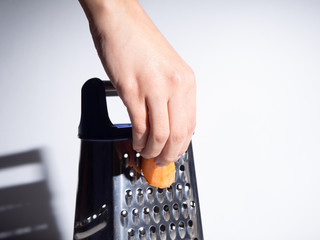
(159, 163)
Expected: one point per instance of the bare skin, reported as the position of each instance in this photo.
(154, 82)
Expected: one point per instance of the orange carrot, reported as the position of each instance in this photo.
(161, 177)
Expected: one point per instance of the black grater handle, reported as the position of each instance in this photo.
(95, 123)
(110, 90)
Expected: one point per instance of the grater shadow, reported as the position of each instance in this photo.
(25, 209)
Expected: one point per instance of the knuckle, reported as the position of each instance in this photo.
(185, 78)
(140, 128)
(125, 85)
(177, 137)
(127, 90)
(160, 136)
(175, 78)
(138, 143)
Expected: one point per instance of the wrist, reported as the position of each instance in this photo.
(107, 9)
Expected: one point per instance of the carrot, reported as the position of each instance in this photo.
(161, 177)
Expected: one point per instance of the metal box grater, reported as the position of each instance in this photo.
(114, 201)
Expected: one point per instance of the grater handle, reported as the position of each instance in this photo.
(110, 90)
(95, 123)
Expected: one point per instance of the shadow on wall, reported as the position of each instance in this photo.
(25, 210)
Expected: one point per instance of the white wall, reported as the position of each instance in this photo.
(258, 136)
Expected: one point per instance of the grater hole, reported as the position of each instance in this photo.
(190, 228)
(182, 230)
(166, 208)
(146, 210)
(135, 216)
(128, 197)
(139, 196)
(181, 224)
(130, 232)
(169, 193)
(139, 192)
(184, 205)
(128, 193)
(156, 214)
(142, 231)
(124, 213)
(146, 215)
(162, 228)
(175, 211)
(179, 191)
(149, 191)
(152, 229)
(172, 227)
(182, 168)
(160, 195)
(132, 173)
(192, 208)
(150, 196)
(184, 209)
(166, 214)
(156, 209)
(135, 212)
(124, 219)
(187, 191)
(152, 233)
(175, 206)
(172, 231)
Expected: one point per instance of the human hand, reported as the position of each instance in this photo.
(155, 84)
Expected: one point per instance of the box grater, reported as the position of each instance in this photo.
(114, 201)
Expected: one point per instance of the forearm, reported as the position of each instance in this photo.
(121, 26)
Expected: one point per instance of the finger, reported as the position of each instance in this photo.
(158, 127)
(140, 127)
(191, 121)
(186, 144)
(178, 132)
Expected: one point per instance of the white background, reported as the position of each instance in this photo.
(257, 140)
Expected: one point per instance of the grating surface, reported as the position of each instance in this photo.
(114, 200)
(148, 213)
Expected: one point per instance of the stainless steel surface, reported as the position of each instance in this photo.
(142, 211)
(130, 208)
